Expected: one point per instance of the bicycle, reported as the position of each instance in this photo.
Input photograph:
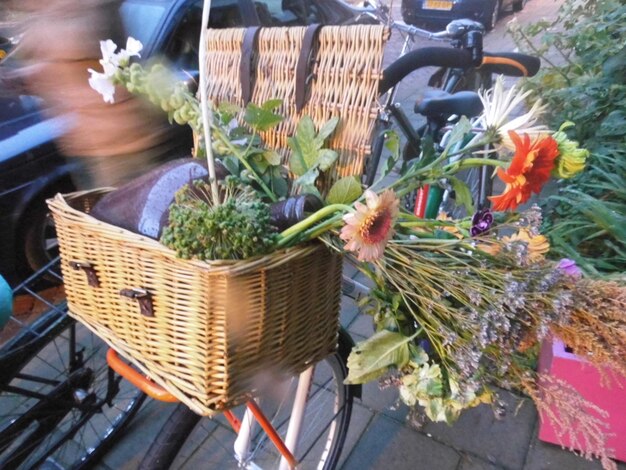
(465, 66)
(61, 406)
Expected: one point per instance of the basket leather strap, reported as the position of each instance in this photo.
(305, 63)
(246, 68)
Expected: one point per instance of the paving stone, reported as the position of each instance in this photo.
(499, 441)
(388, 445)
(362, 325)
(385, 400)
(363, 279)
(131, 448)
(471, 462)
(349, 270)
(360, 419)
(544, 456)
(349, 311)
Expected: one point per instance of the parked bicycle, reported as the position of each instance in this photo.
(60, 405)
(463, 67)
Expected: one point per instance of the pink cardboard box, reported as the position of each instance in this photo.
(585, 378)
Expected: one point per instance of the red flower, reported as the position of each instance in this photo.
(528, 171)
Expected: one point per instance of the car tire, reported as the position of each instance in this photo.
(519, 5)
(39, 237)
(491, 17)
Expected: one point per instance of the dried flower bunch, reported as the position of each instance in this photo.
(459, 305)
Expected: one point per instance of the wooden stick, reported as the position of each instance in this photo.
(207, 116)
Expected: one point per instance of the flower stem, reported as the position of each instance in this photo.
(473, 162)
(311, 220)
(241, 157)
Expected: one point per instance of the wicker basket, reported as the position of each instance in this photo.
(201, 330)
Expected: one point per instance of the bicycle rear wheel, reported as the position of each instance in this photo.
(210, 444)
(60, 404)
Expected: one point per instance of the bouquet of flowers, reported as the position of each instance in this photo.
(459, 305)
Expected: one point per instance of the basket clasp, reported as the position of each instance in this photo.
(90, 271)
(143, 297)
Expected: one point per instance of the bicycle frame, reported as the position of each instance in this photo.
(244, 427)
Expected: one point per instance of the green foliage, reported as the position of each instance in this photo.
(309, 157)
(239, 228)
(583, 82)
(345, 191)
(375, 356)
(263, 118)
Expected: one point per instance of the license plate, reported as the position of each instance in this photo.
(437, 5)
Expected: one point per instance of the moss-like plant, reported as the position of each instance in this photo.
(238, 228)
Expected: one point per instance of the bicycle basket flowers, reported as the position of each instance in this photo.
(458, 304)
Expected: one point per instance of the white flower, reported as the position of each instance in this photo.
(499, 105)
(133, 47)
(108, 48)
(103, 84)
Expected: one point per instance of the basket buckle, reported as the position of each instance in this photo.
(90, 271)
(143, 297)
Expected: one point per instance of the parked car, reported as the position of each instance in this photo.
(32, 169)
(440, 12)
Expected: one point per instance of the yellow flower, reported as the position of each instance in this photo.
(369, 228)
(492, 247)
(571, 159)
(538, 245)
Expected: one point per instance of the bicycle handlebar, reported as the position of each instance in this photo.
(512, 64)
(424, 57)
(507, 63)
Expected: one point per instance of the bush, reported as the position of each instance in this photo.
(584, 56)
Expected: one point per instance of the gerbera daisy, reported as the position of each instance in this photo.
(498, 105)
(529, 170)
(370, 226)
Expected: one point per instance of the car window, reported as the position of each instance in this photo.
(182, 48)
(287, 12)
(141, 19)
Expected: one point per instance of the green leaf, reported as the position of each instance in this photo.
(310, 189)
(463, 127)
(297, 165)
(463, 194)
(308, 179)
(271, 105)
(232, 165)
(373, 357)
(345, 191)
(227, 111)
(429, 152)
(418, 355)
(261, 119)
(326, 158)
(327, 128)
(392, 143)
(272, 157)
(278, 183)
(305, 136)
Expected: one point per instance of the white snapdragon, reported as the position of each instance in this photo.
(103, 82)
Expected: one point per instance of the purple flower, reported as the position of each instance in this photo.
(481, 222)
(568, 267)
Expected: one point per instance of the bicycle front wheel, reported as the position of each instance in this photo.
(210, 443)
(60, 404)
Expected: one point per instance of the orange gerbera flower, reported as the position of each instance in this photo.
(528, 171)
(370, 227)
